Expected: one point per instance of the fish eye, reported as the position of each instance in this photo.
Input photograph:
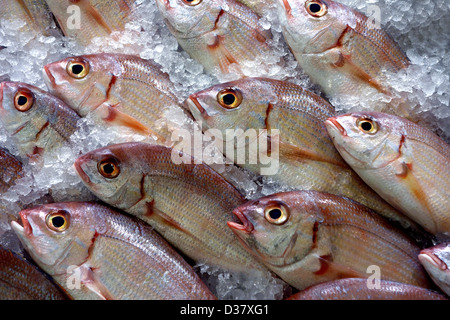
(77, 68)
(229, 98)
(58, 220)
(367, 126)
(316, 8)
(276, 214)
(192, 2)
(23, 100)
(109, 168)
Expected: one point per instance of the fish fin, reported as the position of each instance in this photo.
(111, 115)
(161, 217)
(295, 153)
(224, 57)
(334, 270)
(89, 280)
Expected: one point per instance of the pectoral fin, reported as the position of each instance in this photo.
(90, 281)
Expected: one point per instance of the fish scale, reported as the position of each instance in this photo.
(118, 257)
(188, 204)
(324, 238)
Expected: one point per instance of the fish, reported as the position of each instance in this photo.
(36, 121)
(120, 89)
(84, 20)
(11, 169)
(406, 164)
(20, 279)
(186, 202)
(223, 36)
(34, 14)
(436, 260)
(305, 157)
(341, 49)
(309, 237)
(358, 289)
(97, 253)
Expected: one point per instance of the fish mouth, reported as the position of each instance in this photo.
(24, 229)
(246, 226)
(49, 79)
(426, 256)
(287, 8)
(193, 105)
(2, 85)
(79, 170)
(333, 123)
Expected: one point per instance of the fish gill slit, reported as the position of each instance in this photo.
(38, 134)
(267, 126)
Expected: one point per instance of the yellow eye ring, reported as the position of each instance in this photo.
(109, 168)
(229, 98)
(192, 2)
(23, 100)
(58, 220)
(316, 8)
(367, 125)
(77, 68)
(276, 214)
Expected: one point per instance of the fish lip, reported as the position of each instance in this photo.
(287, 8)
(2, 85)
(25, 228)
(246, 225)
(333, 123)
(77, 165)
(49, 79)
(192, 102)
(426, 255)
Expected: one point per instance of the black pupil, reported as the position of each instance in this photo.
(58, 221)
(228, 99)
(22, 100)
(366, 126)
(314, 7)
(275, 214)
(108, 168)
(77, 68)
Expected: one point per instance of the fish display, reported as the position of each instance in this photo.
(436, 260)
(10, 169)
(37, 121)
(120, 89)
(188, 203)
(224, 36)
(96, 253)
(22, 280)
(85, 20)
(358, 289)
(309, 237)
(339, 48)
(34, 14)
(406, 164)
(306, 159)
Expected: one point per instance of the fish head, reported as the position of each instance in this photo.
(241, 104)
(83, 82)
(275, 229)
(366, 139)
(436, 260)
(56, 235)
(113, 174)
(313, 26)
(189, 18)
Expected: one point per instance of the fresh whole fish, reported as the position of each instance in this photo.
(223, 35)
(339, 48)
(308, 237)
(97, 253)
(358, 289)
(188, 203)
(121, 89)
(307, 158)
(34, 14)
(406, 164)
(84, 20)
(34, 119)
(10, 169)
(436, 260)
(22, 280)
